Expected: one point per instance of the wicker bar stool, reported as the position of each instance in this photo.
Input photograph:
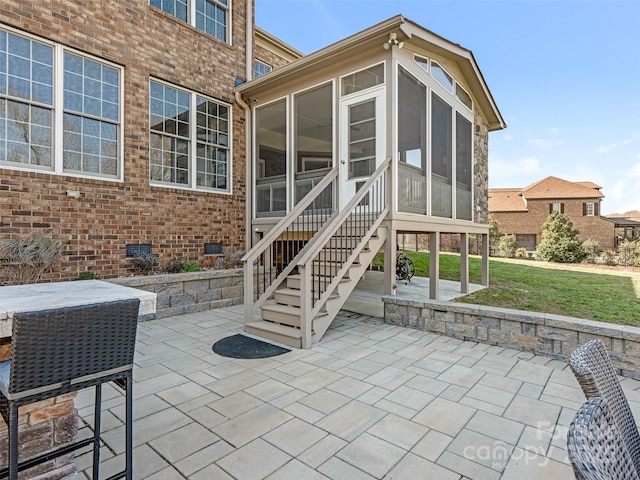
(592, 367)
(62, 350)
(595, 445)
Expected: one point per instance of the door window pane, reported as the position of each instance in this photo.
(362, 141)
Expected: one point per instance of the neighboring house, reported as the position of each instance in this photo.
(135, 127)
(522, 211)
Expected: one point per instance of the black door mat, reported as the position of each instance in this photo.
(240, 346)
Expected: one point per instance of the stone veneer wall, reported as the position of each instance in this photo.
(550, 335)
(182, 293)
(44, 425)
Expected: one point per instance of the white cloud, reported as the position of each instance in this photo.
(614, 145)
(624, 194)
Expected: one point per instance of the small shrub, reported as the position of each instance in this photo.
(609, 258)
(190, 267)
(174, 266)
(626, 253)
(86, 276)
(591, 248)
(26, 259)
(494, 238)
(144, 263)
(508, 246)
(229, 259)
(521, 252)
(178, 266)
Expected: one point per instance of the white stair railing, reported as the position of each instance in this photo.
(269, 262)
(343, 238)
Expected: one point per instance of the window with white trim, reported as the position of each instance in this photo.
(32, 73)
(589, 209)
(209, 16)
(189, 139)
(556, 207)
(260, 68)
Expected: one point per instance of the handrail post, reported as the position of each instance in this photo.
(248, 291)
(305, 305)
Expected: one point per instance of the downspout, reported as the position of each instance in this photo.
(248, 182)
(248, 174)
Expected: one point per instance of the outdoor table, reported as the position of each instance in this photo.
(58, 412)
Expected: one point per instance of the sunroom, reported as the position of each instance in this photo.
(380, 134)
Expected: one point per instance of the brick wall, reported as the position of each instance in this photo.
(269, 57)
(95, 228)
(595, 228)
(44, 425)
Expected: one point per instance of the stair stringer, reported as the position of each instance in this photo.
(341, 292)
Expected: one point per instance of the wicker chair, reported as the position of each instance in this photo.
(62, 350)
(595, 445)
(592, 367)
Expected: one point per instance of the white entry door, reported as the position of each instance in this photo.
(362, 140)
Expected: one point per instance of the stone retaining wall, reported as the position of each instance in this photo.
(550, 335)
(182, 293)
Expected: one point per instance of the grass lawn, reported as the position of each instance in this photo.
(541, 287)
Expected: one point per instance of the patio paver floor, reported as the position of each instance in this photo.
(369, 401)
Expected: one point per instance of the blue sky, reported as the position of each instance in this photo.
(564, 74)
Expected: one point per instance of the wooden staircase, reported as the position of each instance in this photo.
(294, 302)
(281, 316)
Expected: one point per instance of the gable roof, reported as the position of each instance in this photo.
(373, 37)
(551, 188)
(554, 187)
(589, 185)
(506, 200)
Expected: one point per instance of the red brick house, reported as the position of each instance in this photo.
(179, 129)
(522, 211)
(119, 128)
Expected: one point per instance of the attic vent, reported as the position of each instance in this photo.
(132, 251)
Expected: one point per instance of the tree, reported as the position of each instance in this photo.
(591, 248)
(494, 237)
(560, 241)
(508, 246)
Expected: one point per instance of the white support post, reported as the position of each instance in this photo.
(305, 305)
(248, 291)
(390, 252)
(464, 263)
(485, 259)
(434, 265)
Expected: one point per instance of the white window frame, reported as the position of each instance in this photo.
(556, 207)
(418, 68)
(57, 109)
(590, 209)
(265, 66)
(191, 17)
(384, 79)
(192, 185)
